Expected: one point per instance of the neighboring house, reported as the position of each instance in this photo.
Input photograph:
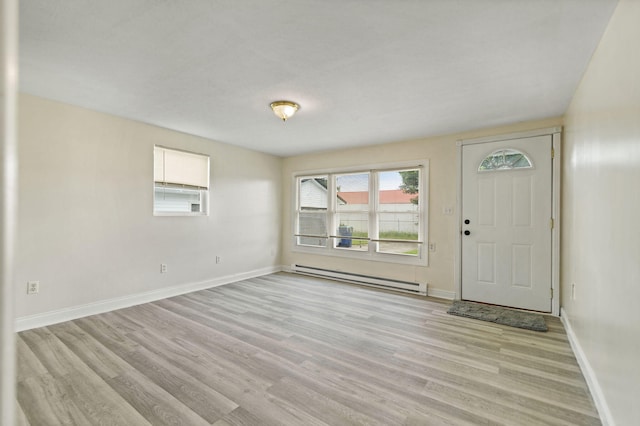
(313, 203)
(313, 193)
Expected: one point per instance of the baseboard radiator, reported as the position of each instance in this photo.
(386, 283)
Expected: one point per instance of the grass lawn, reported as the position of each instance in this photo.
(392, 235)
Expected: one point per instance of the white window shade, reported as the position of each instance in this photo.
(180, 168)
(158, 164)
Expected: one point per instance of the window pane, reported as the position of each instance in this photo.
(313, 223)
(408, 249)
(353, 244)
(505, 159)
(352, 226)
(353, 192)
(313, 227)
(356, 224)
(398, 211)
(312, 214)
(399, 225)
(313, 193)
(352, 205)
(312, 241)
(177, 200)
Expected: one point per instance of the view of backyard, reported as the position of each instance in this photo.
(396, 212)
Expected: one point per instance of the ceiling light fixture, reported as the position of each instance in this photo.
(284, 109)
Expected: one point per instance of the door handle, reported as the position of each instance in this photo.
(467, 232)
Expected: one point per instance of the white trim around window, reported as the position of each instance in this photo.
(335, 213)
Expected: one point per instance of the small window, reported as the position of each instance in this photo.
(505, 159)
(181, 183)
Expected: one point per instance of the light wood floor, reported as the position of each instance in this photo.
(292, 350)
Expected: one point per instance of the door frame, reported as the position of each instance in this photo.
(556, 140)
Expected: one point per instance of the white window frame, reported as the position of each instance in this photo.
(422, 259)
(202, 190)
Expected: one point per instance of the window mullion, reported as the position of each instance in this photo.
(421, 225)
(296, 225)
(331, 210)
(373, 210)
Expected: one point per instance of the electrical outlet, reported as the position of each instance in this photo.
(432, 246)
(163, 268)
(218, 259)
(33, 287)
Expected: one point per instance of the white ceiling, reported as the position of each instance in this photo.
(363, 71)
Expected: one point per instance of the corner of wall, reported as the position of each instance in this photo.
(587, 372)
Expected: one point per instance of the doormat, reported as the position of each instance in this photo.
(498, 315)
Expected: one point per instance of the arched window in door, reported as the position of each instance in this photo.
(505, 159)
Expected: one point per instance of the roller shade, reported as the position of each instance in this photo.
(180, 168)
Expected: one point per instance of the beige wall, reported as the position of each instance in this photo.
(601, 213)
(441, 153)
(8, 203)
(86, 225)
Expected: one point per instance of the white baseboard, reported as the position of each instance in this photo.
(589, 375)
(75, 312)
(441, 294)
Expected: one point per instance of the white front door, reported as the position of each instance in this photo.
(506, 223)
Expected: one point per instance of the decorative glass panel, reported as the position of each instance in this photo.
(505, 159)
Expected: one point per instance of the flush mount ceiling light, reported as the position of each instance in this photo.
(284, 109)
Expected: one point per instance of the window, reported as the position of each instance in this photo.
(352, 211)
(376, 213)
(313, 201)
(398, 213)
(181, 183)
(505, 159)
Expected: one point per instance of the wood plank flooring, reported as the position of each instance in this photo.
(293, 350)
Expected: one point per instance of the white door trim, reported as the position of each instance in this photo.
(556, 133)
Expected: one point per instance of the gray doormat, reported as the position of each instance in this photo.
(498, 315)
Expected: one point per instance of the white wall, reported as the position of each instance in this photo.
(8, 201)
(601, 216)
(441, 153)
(86, 225)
